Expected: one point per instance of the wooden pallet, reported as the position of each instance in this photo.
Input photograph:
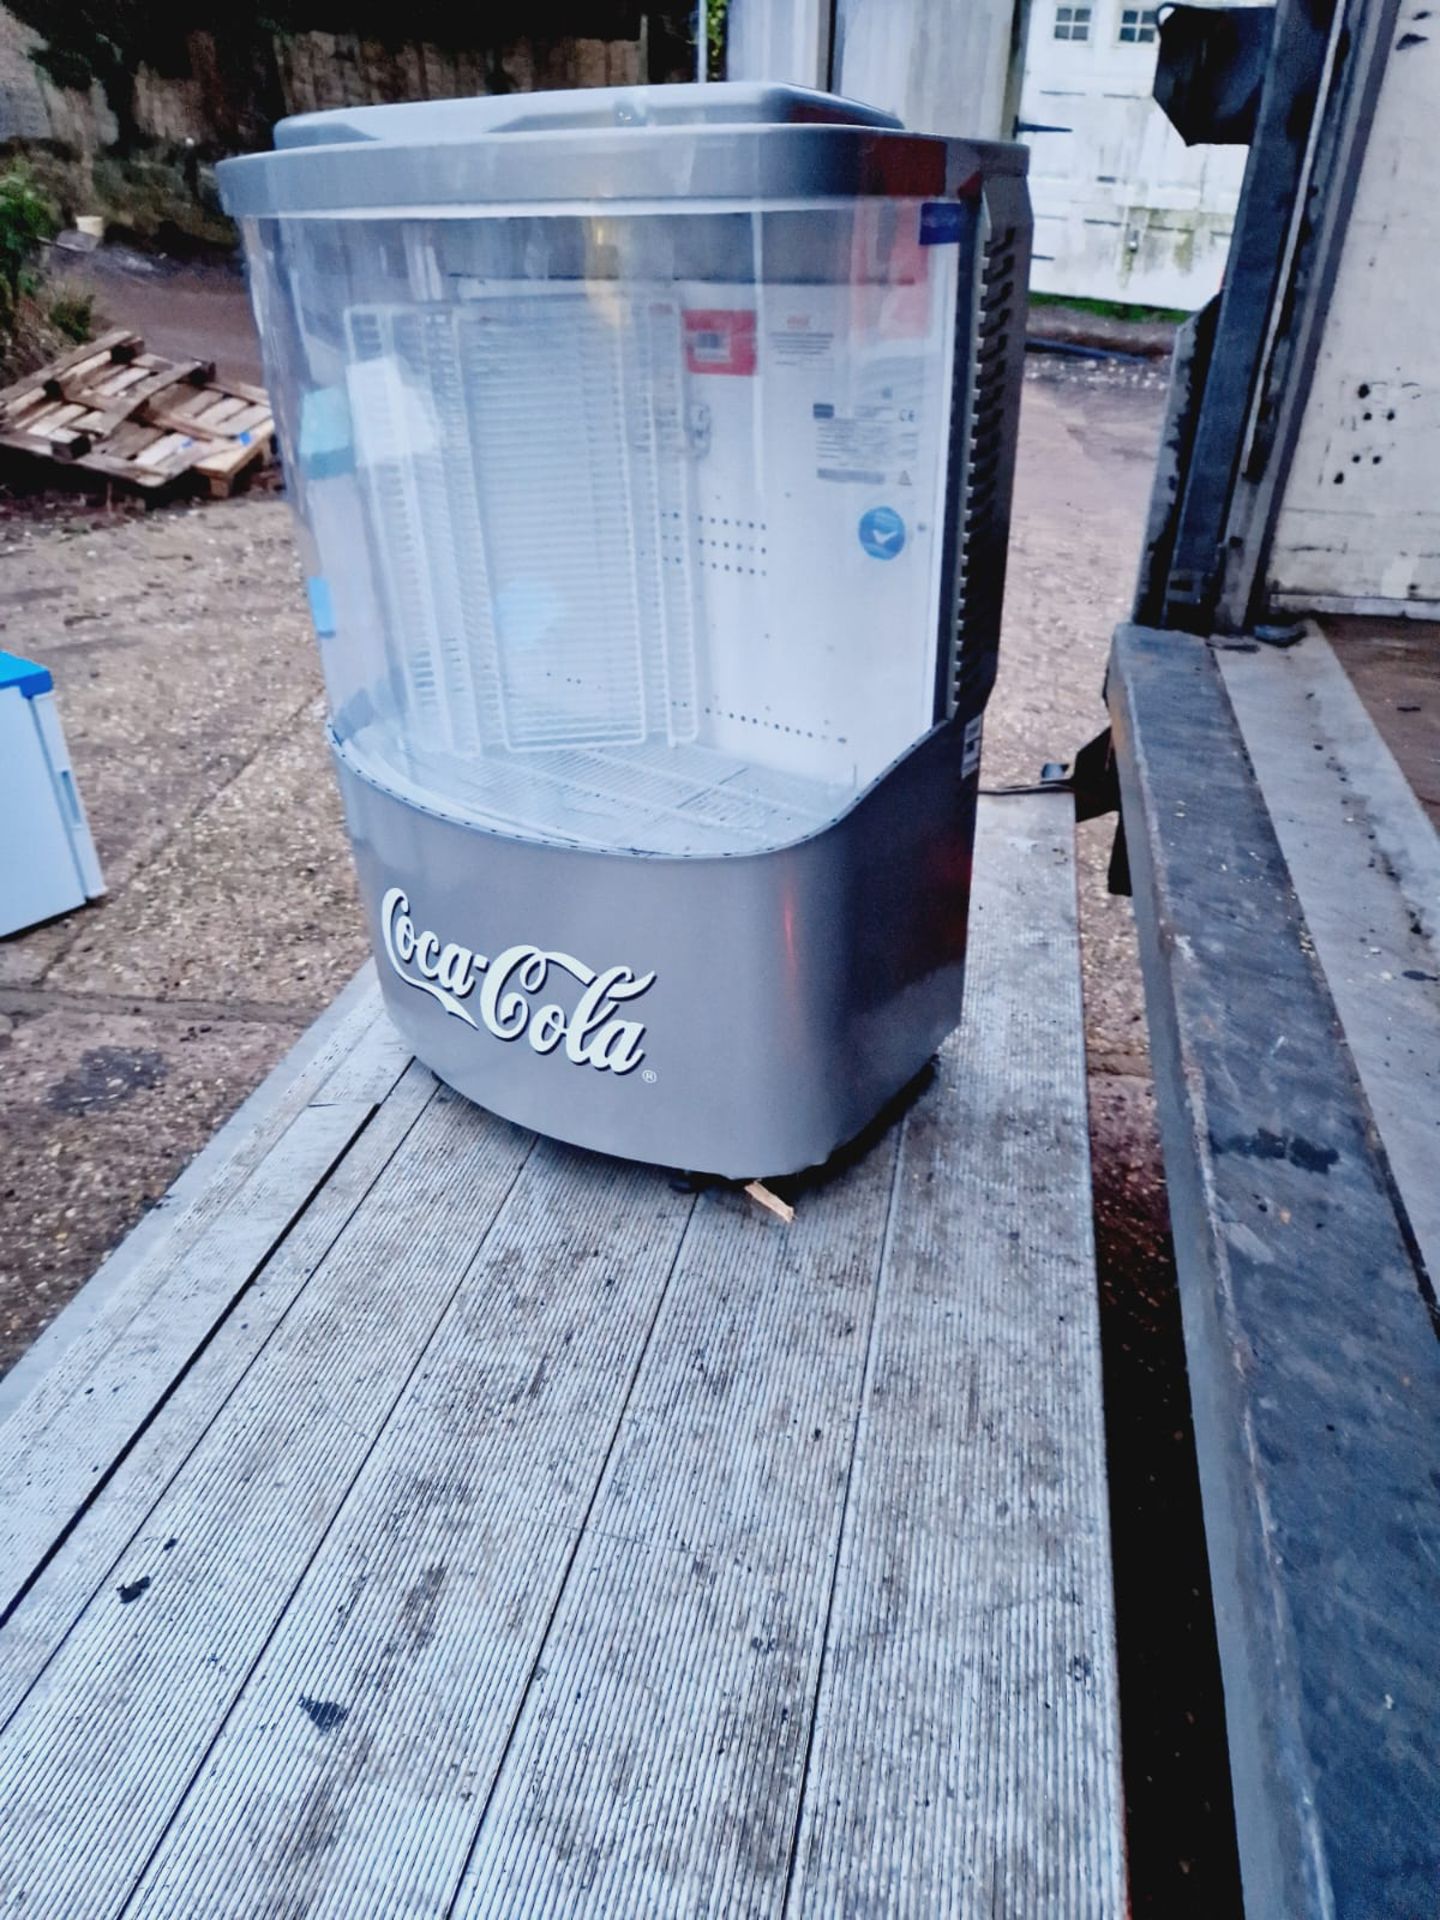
(138, 418)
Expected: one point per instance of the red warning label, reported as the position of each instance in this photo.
(720, 339)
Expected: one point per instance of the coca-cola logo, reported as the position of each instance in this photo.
(506, 992)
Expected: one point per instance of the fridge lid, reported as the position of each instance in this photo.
(731, 141)
(730, 103)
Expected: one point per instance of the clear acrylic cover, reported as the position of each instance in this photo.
(621, 529)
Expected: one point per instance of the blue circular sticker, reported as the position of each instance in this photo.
(882, 533)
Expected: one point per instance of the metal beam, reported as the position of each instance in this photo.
(1273, 177)
(1362, 49)
(1314, 1367)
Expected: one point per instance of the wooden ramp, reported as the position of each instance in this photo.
(426, 1519)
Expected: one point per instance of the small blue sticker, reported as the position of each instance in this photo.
(940, 223)
(882, 533)
(322, 607)
(325, 437)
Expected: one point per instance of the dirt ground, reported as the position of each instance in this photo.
(189, 689)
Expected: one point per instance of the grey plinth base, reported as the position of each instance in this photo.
(742, 1016)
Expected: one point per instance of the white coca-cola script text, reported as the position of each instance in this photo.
(506, 991)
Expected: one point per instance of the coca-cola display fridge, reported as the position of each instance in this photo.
(652, 453)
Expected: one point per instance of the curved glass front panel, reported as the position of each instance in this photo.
(621, 531)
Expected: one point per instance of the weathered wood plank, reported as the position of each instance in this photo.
(152, 381)
(44, 1484)
(104, 1745)
(422, 1617)
(212, 418)
(179, 416)
(223, 468)
(257, 396)
(966, 1750)
(656, 1766)
(177, 412)
(112, 386)
(64, 1586)
(195, 1275)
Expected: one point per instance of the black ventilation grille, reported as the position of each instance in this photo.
(984, 529)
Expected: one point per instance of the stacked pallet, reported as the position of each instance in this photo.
(135, 417)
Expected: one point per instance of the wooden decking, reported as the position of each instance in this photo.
(428, 1519)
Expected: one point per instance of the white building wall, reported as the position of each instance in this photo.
(786, 41)
(941, 65)
(1124, 210)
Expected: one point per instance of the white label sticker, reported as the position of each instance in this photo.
(877, 438)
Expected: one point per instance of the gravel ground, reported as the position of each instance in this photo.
(190, 693)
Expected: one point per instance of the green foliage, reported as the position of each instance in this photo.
(26, 218)
(71, 311)
(715, 12)
(1107, 309)
(153, 200)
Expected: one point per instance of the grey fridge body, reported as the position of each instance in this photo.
(663, 808)
(741, 1014)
